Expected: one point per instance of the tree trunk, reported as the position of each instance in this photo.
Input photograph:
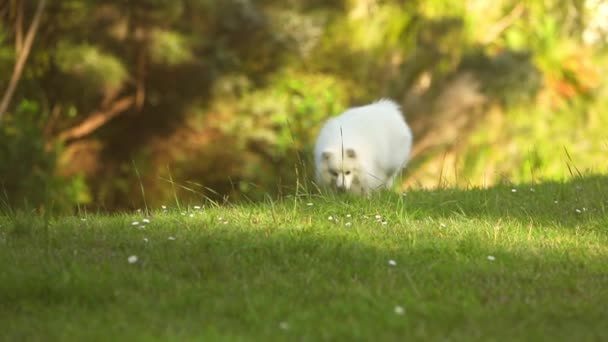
(21, 58)
(18, 27)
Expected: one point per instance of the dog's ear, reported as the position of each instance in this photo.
(350, 153)
(326, 155)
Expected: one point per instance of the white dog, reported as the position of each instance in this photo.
(363, 149)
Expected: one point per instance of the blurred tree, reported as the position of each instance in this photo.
(224, 97)
(22, 48)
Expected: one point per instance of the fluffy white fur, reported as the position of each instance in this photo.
(363, 149)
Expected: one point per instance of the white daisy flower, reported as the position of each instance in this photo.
(491, 257)
(132, 259)
(348, 224)
(135, 223)
(399, 310)
(146, 220)
(172, 238)
(392, 262)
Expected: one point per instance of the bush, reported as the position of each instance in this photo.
(28, 167)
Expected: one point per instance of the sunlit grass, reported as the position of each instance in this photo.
(507, 263)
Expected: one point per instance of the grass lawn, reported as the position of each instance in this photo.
(507, 263)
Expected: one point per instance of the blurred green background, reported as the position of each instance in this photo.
(124, 100)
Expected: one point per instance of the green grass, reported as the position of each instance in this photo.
(283, 271)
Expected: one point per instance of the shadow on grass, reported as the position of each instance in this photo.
(252, 282)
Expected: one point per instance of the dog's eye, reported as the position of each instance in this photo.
(334, 173)
(347, 173)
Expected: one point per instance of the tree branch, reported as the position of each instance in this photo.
(140, 82)
(97, 119)
(18, 27)
(504, 23)
(22, 57)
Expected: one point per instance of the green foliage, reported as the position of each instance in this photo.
(7, 54)
(546, 144)
(28, 177)
(97, 69)
(509, 77)
(168, 47)
(229, 94)
(277, 123)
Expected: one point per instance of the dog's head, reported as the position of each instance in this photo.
(339, 169)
